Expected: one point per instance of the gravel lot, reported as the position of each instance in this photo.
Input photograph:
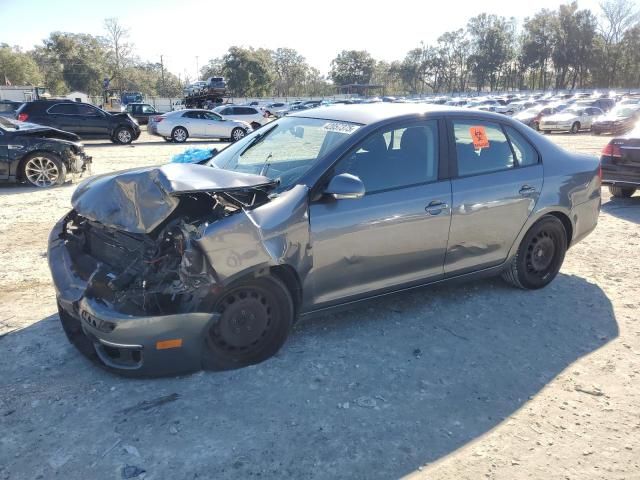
(469, 381)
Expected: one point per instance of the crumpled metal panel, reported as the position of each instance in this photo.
(139, 200)
(275, 233)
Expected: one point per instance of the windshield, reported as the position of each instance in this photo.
(624, 112)
(285, 149)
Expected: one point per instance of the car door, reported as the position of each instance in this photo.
(92, 121)
(396, 234)
(196, 123)
(64, 116)
(216, 126)
(497, 182)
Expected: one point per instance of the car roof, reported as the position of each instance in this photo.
(368, 113)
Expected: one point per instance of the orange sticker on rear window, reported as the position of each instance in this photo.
(479, 137)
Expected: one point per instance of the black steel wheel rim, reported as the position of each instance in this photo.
(541, 253)
(246, 317)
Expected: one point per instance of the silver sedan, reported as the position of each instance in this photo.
(195, 123)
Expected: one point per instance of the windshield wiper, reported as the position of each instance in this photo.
(257, 139)
(266, 165)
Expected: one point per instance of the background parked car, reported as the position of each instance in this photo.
(216, 85)
(619, 120)
(271, 108)
(8, 108)
(250, 115)
(141, 112)
(82, 119)
(604, 104)
(620, 161)
(573, 119)
(532, 116)
(40, 156)
(196, 123)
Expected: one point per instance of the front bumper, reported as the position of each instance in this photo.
(117, 341)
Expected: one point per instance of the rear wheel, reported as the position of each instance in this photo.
(255, 319)
(44, 170)
(540, 255)
(621, 192)
(575, 128)
(123, 136)
(179, 134)
(237, 134)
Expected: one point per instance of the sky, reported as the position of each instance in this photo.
(181, 30)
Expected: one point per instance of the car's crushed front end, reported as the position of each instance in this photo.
(131, 263)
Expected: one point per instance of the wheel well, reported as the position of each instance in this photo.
(566, 223)
(287, 275)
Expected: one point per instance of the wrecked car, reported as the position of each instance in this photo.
(37, 155)
(169, 269)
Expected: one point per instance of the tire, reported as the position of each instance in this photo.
(539, 256)
(256, 317)
(255, 125)
(44, 170)
(168, 139)
(621, 192)
(575, 128)
(237, 134)
(179, 134)
(123, 136)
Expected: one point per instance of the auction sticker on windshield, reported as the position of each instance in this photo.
(479, 137)
(340, 127)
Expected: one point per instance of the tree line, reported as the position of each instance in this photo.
(566, 48)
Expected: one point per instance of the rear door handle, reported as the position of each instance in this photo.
(525, 189)
(436, 207)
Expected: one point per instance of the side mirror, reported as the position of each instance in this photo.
(345, 186)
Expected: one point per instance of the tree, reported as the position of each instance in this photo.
(492, 46)
(290, 69)
(537, 45)
(352, 66)
(119, 50)
(248, 71)
(17, 67)
(618, 16)
(73, 61)
(454, 48)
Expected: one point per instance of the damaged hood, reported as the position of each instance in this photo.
(139, 200)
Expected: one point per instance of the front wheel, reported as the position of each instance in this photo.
(123, 136)
(44, 170)
(540, 255)
(621, 192)
(255, 319)
(237, 134)
(575, 128)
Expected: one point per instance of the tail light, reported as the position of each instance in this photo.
(23, 117)
(157, 119)
(611, 150)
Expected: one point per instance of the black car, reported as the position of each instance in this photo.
(82, 119)
(620, 161)
(40, 156)
(8, 108)
(141, 112)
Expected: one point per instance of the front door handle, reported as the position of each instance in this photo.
(436, 207)
(526, 189)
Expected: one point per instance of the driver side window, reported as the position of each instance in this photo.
(396, 158)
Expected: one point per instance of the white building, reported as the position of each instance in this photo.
(78, 97)
(17, 93)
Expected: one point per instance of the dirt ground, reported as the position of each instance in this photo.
(458, 382)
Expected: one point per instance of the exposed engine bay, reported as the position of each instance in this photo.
(160, 272)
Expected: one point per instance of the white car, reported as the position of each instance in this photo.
(490, 105)
(196, 123)
(250, 115)
(572, 119)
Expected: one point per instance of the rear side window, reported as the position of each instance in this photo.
(64, 109)
(481, 147)
(525, 153)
